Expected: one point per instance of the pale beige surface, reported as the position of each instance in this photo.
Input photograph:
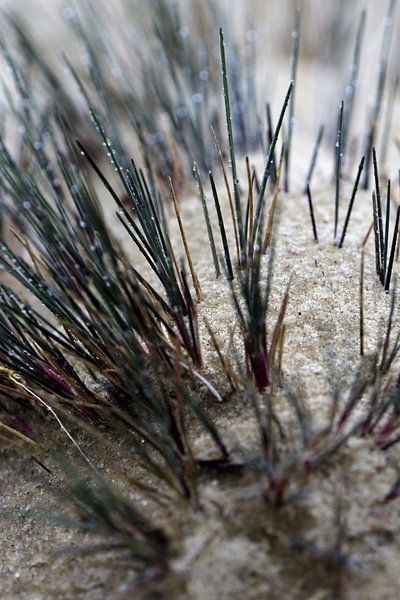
(236, 534)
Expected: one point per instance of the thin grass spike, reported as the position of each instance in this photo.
(311, 209)
(271, 213)
(376, 236)
(228, 191)
(196, 283)
(314, 158)
(388, 121)
(270, 137)
(381, 240)
(222, 228)
(353, 196)
(293, 76)
(207, 220)
(380, 86)
(268, 165)
(387, 224)
(250, 209)
(361, 304)
(353, 83)
(228, 114)
(339, 157)
(392, 252)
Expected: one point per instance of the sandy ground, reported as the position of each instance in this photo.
(236, 546)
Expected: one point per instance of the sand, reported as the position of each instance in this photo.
(236, 545)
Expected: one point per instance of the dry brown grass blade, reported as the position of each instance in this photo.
(17, 434)
(251, 206)
(271, 213)
(196, 282)
(228, 191)
(32, 255)
(277, 333)
(227, 368)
